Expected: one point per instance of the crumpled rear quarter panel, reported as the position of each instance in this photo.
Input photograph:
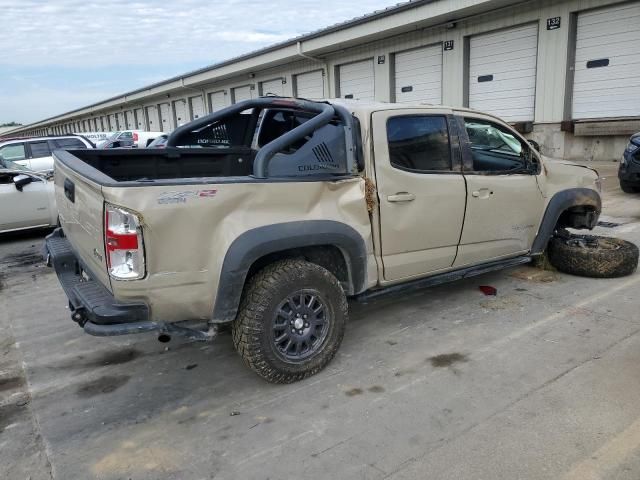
(187, 230)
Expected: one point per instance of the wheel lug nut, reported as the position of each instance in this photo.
(306, 324)
(304, 316)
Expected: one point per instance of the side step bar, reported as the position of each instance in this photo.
(441, 278)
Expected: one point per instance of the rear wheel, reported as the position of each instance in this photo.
(291, 321)
(629, 187)
(593, 256)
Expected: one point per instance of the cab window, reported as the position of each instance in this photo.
(419, 143)
(494, 148)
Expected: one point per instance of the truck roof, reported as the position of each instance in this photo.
(363, 107)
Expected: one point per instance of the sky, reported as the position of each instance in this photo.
(58, 55)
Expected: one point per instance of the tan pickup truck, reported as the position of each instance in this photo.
(271, 213)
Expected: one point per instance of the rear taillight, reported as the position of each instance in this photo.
(123, 243)
(135, 136)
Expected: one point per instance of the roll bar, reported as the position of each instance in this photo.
(326, 112)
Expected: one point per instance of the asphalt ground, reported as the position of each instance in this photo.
(539, 382)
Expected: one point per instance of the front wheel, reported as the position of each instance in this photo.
(593, 256)
(291, 321)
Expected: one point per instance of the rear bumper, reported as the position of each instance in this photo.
(92, 306)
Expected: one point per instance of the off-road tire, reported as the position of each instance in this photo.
(262, 296)
(629, 187)
(605, 258)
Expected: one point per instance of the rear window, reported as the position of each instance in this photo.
(68, 143)
(39, 149)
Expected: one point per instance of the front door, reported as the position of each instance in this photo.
(504, 203)
(26, 208)
(421, 191)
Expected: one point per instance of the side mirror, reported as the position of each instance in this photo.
(535, 145)
(21, 180)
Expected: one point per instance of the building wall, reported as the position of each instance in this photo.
(552, 84)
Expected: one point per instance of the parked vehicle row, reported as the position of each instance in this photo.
(34, 153)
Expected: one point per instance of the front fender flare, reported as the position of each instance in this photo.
(258, 242)
(561, 201)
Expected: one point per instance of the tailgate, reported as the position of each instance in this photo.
(81, 210)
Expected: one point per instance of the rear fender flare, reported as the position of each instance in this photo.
(258, 242)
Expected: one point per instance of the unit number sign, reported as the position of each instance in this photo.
(553, 23)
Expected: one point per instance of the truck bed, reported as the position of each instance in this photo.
(171, 163)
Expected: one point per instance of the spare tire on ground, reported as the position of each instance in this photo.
(593, 256)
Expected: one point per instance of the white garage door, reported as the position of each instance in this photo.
(131, 122)
(418, 75)
(607, 69)
(502, 73)
(272, 86)
(166, 118)
(180, 107)
(139, 119)
(217, 101)
(242, 93)
(310, 85)
(197, 107)
(154, 119)
(120, 119)
(356, 80)
(113, 125)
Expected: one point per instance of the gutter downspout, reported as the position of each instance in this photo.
(324, 63)
(201, 92)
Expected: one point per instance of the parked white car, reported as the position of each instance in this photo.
(34, 153)
(27, 200)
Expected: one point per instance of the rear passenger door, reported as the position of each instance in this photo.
(40, 158)
(504, 203)
(421, 191)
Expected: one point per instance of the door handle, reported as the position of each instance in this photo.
(401, 197)
(482, 193)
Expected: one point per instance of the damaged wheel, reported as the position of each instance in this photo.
(291, 321)
(593, 256)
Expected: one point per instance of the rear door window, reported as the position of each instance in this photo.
(419, 143)
(40, 149)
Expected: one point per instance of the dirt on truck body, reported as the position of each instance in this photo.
(269, 214)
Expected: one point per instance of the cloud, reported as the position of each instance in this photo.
(121, 32)
(57, 55)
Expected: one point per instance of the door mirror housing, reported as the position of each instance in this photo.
(21, 180)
